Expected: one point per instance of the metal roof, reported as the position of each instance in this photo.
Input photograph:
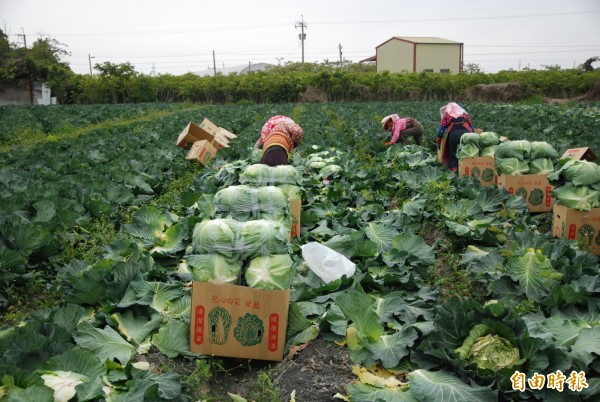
(422, 40)
(372, 58)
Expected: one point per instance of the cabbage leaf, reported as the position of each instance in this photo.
(582, 198)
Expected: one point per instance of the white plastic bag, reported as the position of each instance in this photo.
(326, 263)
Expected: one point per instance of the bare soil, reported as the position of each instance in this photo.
(312, 372)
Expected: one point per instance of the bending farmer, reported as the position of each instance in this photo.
(278, 138)
(456, 120)
(401, 129)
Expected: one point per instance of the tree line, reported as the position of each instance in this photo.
(292, 82)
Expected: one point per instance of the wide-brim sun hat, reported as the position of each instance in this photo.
(386, 118)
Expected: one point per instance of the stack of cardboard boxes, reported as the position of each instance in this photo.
(221, 309)
(534, 188)
(573, 224)
(221, 314)
(206, 140)
(567, 222)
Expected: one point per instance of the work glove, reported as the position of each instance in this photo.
(388, 143)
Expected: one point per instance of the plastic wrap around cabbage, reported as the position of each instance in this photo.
(511, 166)
(488, 139)
(246, 203)
(264, 175)
(467, 151)
(541, 166)
(473, 145)
(214, 268)
(470, 138)
(541, 149)
(291, 192)
(577, 172)
(583, 198)
(215, 236)
(246, 239)
(520, 149)
(488, 151)
(273, 272)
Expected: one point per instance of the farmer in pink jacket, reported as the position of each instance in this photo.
(401, 129)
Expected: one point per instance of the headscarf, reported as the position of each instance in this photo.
(296, 133)
(394, 117)
(452, 109)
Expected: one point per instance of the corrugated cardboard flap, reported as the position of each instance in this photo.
(584, 154)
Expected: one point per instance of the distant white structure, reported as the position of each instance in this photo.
(42, 94)
(241, 69)
(20, 92)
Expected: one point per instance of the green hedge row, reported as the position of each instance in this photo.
(318, 84)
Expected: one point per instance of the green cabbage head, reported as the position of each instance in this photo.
(488, 139)
(259, 175)
(272, 272)
(214, 268)
(488, 350)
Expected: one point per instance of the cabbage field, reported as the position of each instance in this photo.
(459, 294)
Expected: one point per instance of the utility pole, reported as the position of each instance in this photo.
(214, 65)
(24, 38)
(90, 57)
(302, 35)
(90, 60)
(341, 63)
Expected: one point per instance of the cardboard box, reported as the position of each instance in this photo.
(224, 135)
(209, 127)
(221, 314)
(440, 152)
(584, 154)
(208, 131)
(203, 151)
(192, 133)
(221, 135)
(482, 167)
(528, 185)
(295, 210)
(569, 223)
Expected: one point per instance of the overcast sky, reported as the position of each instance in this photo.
(178, 36)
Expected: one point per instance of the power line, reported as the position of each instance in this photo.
(545, 52)
(169, 31)
(462, 18)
